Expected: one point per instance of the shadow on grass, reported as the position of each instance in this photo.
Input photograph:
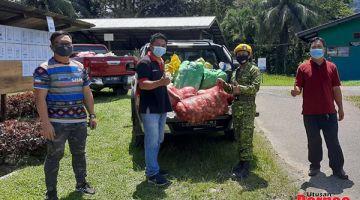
(330, 184)
(108, 96)
(72, 196)
(144, 191)
(253, 182)
(23, 162)
(76, 196)
(197, 158)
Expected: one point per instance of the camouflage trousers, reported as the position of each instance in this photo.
(243, 122)
(76, 134)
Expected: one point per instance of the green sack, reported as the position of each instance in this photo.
(210, 76)
(189, 74)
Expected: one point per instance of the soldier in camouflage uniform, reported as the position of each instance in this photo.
(244, 84)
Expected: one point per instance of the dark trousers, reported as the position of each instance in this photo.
(329, 125)
(76, 134)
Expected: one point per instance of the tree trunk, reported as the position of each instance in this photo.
(284, 40)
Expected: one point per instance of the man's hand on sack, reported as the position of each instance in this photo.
(164, 81)
(177, 98)
(236, 89)
(220, 82)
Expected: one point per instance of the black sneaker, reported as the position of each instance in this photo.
(238, 167)
(341, 174)
(243, 171)
(51, 195)
(236, 171)
(158, 180)
(85, 188)
(163, 172)
(313, 171)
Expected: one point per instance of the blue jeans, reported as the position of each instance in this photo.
(154, 124)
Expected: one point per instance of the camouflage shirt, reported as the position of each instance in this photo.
(248, 77)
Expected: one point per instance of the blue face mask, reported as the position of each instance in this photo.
(159, 51)
(317, 53)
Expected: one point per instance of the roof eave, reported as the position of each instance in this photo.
(150, 28)
(32, 12)
(313, 31)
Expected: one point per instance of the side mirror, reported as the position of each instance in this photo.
(225, 66)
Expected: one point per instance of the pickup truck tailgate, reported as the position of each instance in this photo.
(109, 66)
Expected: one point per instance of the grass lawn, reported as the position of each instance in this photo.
(277, 80)
(282, 80)
(199, 166)
(350, 83)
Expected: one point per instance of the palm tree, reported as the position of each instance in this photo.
(240, 25)
(63, 7)
(89, 9)
(283, 18)
(164, 8)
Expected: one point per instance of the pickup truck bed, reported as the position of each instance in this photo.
(115, 72)
(187, 50)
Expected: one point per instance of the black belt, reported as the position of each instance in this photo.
(244, 98)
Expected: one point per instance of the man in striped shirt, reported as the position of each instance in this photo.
(63, 96)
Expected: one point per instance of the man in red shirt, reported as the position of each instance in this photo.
(319, 81)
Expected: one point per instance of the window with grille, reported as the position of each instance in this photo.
(357, 35)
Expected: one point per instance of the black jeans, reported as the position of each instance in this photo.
(329, 125)
(76, 134)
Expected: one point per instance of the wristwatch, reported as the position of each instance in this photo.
(92, 116)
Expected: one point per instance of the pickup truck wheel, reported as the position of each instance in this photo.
(137, 133)
(139, 141)
(229, 135)
(120, 91)
(96, 90)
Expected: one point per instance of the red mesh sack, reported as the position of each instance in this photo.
(230, 98)
(183, 93)
(205, 106)
(85, 54)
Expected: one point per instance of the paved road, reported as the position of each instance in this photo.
(281, 121)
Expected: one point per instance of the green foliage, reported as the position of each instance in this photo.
(104, 8)
(267, 25)
(164, 8)
(63, 7)
(283, 18)
(212, 7)
(239, 25)
(270, 27)
(291, 15)
(332, 10)
(88, 9)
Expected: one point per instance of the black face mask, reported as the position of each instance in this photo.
(242, 59)
(63, 50)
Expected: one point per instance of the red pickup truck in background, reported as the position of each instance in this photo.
(106, 69)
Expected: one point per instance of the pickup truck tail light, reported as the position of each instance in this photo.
(87, 65)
